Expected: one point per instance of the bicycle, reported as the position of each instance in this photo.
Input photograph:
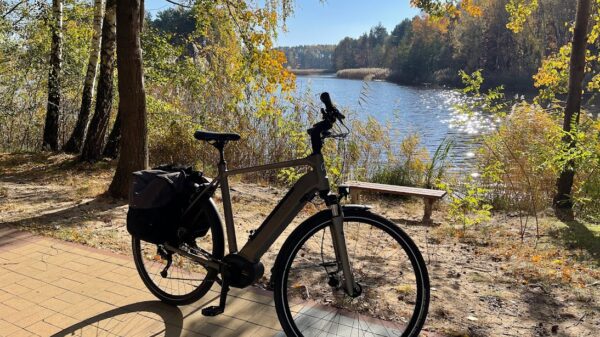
(344, 270)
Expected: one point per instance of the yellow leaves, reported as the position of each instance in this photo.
(448, 8)
(566, 274)
(471, 8)
(594, 84)
(425, 27)
(438, 8)
(595, 32)
(519, 11)
(536, 258)
(404, 289)
(553, 74)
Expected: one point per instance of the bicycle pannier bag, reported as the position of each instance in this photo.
(157, 199)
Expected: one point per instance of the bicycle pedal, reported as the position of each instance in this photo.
(212, 311)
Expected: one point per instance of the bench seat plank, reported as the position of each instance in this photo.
(394, 189)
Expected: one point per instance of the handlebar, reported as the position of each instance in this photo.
(321, 129)
(327, 101)
(330, 112)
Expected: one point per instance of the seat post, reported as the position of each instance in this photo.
(227, 209)
(220, 145)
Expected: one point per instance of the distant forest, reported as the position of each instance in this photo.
(424, 50)
(318, 56)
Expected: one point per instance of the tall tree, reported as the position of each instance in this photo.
(50, 138)
(134, 142)
(111, 149)
(94, 141)
(563, 201)
(75, 142)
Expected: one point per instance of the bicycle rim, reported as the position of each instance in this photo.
(386, 264)
(185, 281)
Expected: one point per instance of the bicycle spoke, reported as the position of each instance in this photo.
(184, 278)
(317, 301)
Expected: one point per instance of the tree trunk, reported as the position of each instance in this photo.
(563, 201)
(114, 139)
(75, 142)
(132, 105)
(50, 138)
(94, 141)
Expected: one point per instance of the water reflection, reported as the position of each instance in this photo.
(429, 112)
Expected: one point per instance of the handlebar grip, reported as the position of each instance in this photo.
(327, 101)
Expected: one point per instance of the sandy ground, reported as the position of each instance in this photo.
(485, 282)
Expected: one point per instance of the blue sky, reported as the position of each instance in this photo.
(315, 22)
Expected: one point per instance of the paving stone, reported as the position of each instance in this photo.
(7, 328)
(29, 318)
(43, 329)
(48, 286)
(55, 304)
(60, 320)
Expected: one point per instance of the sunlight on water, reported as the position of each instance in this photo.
(429, 112)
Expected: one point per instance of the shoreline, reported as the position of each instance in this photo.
(370, 74)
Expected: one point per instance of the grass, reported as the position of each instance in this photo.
(306, 72)
(366, 74)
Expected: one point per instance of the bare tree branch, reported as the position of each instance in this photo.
(178, 4)
(4, 15)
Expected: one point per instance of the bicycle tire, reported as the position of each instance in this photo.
(293, 321)
(195, 288)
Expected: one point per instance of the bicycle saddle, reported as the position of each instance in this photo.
(216, 136)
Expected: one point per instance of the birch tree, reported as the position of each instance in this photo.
(75, 142)
(94, 140)
(50, 137)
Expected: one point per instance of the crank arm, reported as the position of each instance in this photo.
(206, 263)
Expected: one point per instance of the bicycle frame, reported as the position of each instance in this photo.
(305, 189)
(313, 182)
(286, 210)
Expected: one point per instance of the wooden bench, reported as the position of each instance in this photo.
(429, 196)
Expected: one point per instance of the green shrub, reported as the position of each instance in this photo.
(517, 161)
(412, 165)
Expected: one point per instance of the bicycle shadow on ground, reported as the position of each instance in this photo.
(155, 318)
(149, 318)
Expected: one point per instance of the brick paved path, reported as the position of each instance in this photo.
(53, 288)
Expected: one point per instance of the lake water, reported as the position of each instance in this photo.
(426, 111)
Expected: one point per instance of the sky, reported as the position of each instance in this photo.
(316, 22)
(327, 23)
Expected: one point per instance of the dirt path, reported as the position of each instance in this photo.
(485, 283)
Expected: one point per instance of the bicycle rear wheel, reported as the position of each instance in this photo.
(185, 281)
(387, 265)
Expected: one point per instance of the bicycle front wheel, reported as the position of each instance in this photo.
(386, 264)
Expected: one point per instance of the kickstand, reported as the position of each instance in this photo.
(216, 310)
(169, 258)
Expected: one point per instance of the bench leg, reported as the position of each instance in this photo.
(428, 209)
(354, 196)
